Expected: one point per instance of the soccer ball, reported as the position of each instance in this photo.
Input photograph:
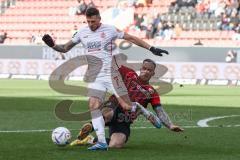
(61, 136)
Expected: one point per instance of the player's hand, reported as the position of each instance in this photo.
(158, 51)
(176, 128)
(48, 40)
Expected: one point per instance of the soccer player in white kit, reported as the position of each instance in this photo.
(98, 39)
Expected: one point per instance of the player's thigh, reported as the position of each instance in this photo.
(117, 140)
(119, 133)
(125, 102)
(107, 114)
(94, 103)
(96, 94)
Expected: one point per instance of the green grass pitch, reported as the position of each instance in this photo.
(27, 105)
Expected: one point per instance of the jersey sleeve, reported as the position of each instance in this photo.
(118, 34)
(155, 99)
(125, 71)
(76, 37)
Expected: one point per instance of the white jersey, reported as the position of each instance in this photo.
(99, 43)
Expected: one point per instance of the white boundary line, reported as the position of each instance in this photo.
(203, 122)
(216, 126)
(49, 130)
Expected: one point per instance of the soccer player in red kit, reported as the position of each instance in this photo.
(118, 119)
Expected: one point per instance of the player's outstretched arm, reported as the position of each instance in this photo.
(156, 51)
(164, 118)
(60, 48)
(155, 121)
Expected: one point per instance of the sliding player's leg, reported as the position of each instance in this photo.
(119, 130)
(86, 129)
(119, 133)
(83, 136)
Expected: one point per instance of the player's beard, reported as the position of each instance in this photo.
(94, 28)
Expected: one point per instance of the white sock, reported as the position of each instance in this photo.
(98, 125)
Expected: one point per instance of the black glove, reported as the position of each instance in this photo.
(48, 40)
(158, 51)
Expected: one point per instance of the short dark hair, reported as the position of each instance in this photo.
(92, 11)
(150, 61)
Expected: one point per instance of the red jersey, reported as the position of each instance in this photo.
(137, 90)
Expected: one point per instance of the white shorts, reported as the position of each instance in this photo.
(111, 84)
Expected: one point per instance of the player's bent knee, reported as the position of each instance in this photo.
(117, 140)
(116, 145)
